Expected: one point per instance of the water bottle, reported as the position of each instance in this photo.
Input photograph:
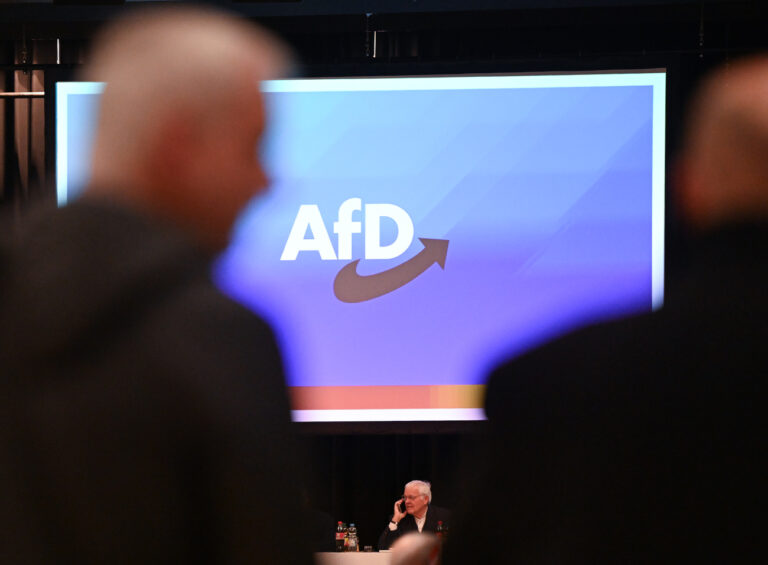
(354, 544)
(441, 532)
(340, 537)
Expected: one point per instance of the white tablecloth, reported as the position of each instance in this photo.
(356, 558)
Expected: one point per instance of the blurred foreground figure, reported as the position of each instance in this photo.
(144, 415)
(416, 549)
(644, 440)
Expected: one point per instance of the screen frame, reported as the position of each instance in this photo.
(396, 70)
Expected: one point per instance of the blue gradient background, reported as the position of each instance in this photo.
(544, 193)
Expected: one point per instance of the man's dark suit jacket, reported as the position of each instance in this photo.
(435, 514)
(636, 441)
(143, 415)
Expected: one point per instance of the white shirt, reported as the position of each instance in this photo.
(420, 521)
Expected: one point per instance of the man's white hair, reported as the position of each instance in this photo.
(425, 488)
(156, 61)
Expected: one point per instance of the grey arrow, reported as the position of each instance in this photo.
(351, 287)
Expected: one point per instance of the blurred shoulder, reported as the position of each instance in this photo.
(571, 366)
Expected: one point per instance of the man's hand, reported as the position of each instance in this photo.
(397, 515)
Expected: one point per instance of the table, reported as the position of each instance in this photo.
(353, 558)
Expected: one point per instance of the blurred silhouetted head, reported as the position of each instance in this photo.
(723, 174)
(181, 116)
(416, 549)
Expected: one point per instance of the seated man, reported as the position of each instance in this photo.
(413, 513)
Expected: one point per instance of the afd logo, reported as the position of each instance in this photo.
(349, 286)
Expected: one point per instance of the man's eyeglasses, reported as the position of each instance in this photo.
(412, 498)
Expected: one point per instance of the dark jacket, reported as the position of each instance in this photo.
(144, 416)
(435, 514)
(641, 440)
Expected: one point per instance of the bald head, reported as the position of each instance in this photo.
(724, 165)
(181, 115)
(416, 549)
